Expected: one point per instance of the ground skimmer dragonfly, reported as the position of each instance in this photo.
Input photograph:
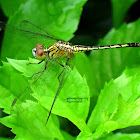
(57, 49)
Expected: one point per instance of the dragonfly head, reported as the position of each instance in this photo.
(38, 52)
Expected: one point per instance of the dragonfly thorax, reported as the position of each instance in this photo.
(58, 50)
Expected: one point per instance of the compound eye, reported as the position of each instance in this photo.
(34, 52)
(39, 46)
(39, 52)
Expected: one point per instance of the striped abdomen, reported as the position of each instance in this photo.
(80, 48)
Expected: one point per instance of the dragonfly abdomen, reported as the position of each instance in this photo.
(81, 48)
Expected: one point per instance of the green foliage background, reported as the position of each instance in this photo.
(110, 79)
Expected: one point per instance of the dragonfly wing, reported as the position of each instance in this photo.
(32, 32)
(38, 83)
(30, 26)
(37, 35)
(62, 78)
(25, 94)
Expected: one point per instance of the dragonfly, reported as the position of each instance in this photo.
(58, 49)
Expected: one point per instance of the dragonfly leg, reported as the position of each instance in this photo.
(58, 90)
(60, 75)
(62, 66)
(40, 71)
(36, 63)
(59, 63)
(15, 100)
(61, 71)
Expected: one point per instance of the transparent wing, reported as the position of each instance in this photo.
(32, 32)
(37, 30)
(38, 35)
(42, 86)
(62, 78)
(25, 94)
(41, 83)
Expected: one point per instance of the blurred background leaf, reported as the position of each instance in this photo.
(10, 7)
(119, 10)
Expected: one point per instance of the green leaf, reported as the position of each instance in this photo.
(109, 63)
(120, 8)
(11, 84)
(67, 136)
(10, 7)
(84, 136)
(84, 67)
(25, 67)
(118, 105)
(48, 85)
(44, 89)
(31, 123)
(58, 18)
(120, 136)
(5, 138)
